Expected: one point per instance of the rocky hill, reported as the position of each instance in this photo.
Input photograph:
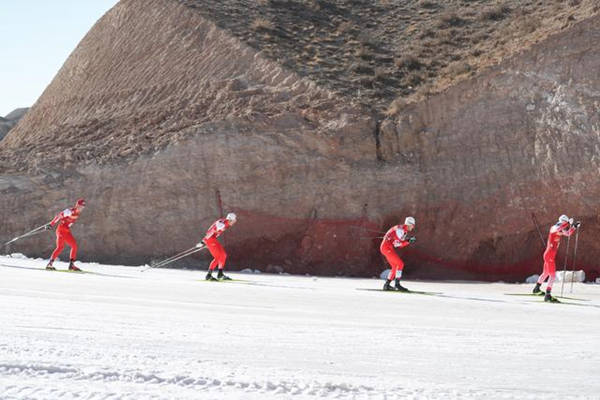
(10, 120)
(170, 113)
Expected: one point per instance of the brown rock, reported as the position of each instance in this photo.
(194, 123)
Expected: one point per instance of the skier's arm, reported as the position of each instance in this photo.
(60, 216)
(56, 219)
(564, 230)
(220, 227)
(215, 230)
(401, 243)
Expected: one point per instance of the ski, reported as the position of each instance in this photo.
(225, 281)
(398, 291)
(541, 294)
(69, 271)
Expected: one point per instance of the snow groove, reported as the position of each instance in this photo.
(86, 376)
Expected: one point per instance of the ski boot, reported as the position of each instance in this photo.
(209, 276)
(73, 267)
(399, 286)
(548, 297)
(537, 290)
(50, 267)
(221, 276)
(386, 285)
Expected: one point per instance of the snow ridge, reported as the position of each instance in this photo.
(86, 376)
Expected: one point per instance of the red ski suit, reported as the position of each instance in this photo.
(394, 237)
(213, 245)
(556, 232)
(63, 233)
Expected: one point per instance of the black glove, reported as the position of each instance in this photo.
(412, 240)
(577, 224)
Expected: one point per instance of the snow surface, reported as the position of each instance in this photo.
(167, 334)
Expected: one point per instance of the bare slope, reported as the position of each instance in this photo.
(377, 51)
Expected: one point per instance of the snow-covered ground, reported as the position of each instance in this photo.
(167, 334)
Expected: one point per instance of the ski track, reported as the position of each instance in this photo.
(164, 335)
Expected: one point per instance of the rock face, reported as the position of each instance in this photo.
(9, 121)
(164, 135)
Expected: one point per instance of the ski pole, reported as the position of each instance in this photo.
(35, 231)
(574, 257)
(537, 226)
(173, 258)
(166, 262)
(562, 286)
(183, 253)
(176, 257)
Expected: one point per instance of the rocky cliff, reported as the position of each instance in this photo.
(10, 120)
(164, 120)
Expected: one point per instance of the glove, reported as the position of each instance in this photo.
(48, 227)
(412, 240)
(577, 224)
(200, 244)
(397, 243)
(571, 221)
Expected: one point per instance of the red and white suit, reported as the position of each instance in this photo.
(214, 247)
(63, 232)
(396, 236)
(558, 230)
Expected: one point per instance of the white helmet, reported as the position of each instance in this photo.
(409, 221)
(231, 217)
(563, 218)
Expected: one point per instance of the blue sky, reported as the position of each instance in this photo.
(36, 37)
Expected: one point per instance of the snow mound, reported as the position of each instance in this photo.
(18, 255)
(384, 274)
(575, 276)
(249, 271)
(532, 279)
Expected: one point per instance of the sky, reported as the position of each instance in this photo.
(36, 37)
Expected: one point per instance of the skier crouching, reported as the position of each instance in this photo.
(396, 236)
(63, 234)
(564, 227)
(215, 248)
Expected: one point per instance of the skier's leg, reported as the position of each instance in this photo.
(541, 279)
(395, 262)
(70, 240)
(548, 258)
(397, 281)
(211, 244)
(222, 259)
(214, 247)
(392, 258)
(552, 274)
(60, 245)
(220, 255)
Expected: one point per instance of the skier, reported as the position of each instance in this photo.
(396, 236)
(564, 227)
(215, 248)
(63, 234)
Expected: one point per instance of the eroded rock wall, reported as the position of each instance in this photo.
(162, 137)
